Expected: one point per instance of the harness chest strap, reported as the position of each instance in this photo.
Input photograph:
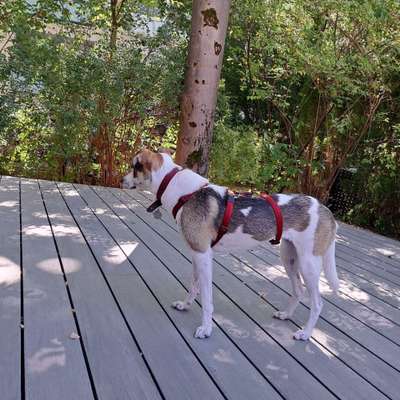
(161, 189)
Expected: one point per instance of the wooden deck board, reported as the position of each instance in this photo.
(145, 316)
(98, 250)
(239, 382)
(117, 367)
(332, 339)
(50, 354)
(245, 333)
(10, 290)
(373, 316)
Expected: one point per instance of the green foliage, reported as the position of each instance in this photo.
(308, 87)
(240, 156)
(68, 93)
(235, 155)
(378, 186)
(319, 82)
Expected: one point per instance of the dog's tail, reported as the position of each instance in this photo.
(329, 265)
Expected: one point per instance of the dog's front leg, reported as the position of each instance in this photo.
(203, 264)
(192, 294)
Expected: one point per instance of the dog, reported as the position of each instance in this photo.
(307, 245)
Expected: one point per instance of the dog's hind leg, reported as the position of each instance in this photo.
(290, 261)
(194, 290)
(310, 269)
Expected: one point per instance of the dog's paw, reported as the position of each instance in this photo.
(281, 315)
(301, 335)
(203, 332)
(180, 305)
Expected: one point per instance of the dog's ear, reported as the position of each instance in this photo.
(151, 161)
(166, 150)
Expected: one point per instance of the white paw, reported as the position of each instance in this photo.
(180, 305)
(281, 315)
(203, 332)
(301, 335)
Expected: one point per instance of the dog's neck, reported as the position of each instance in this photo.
(184, 182)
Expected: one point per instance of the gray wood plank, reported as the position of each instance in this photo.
(382, 286)
(10, 292)
(233, 373)
(117, 367)
(389, 247)
(367, 246)
(340, 379)
(381, 295)
(364, 254)
(341, 332)
(369, 294)
(272, 269)
(331, 338)
(369, 265)
(169, 357)
(54, 364)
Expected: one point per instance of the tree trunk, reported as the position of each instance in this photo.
(203, 69)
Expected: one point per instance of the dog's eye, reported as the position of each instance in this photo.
(137, 167)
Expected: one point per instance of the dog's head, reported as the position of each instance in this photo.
(144, 164)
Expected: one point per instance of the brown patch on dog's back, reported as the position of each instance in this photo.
(325, 232)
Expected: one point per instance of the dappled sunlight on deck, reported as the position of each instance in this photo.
(10, 272)
(93, 307)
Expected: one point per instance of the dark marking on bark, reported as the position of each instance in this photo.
(196, 81)
(216, 66)
(217, 48)
(194, 64)
(192, 124)
(203, 81)
(210, 18)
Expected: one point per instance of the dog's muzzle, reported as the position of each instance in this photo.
(124, 185)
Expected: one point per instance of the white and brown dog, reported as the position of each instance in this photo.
(308, 239)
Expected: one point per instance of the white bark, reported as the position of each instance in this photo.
(203, 69)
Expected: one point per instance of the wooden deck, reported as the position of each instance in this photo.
(86, 282)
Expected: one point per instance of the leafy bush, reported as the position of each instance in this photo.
(241, 156)
(235, 156)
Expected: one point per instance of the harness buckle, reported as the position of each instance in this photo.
(153, 206)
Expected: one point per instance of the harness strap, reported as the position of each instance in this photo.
(225, 221)
(230, 201)
(278, 217)
(161, 189)
(182, 200)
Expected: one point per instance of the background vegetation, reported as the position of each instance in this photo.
(308, 88)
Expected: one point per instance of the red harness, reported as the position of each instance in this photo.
(161, 189)
(278, 217)
(230, 201)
